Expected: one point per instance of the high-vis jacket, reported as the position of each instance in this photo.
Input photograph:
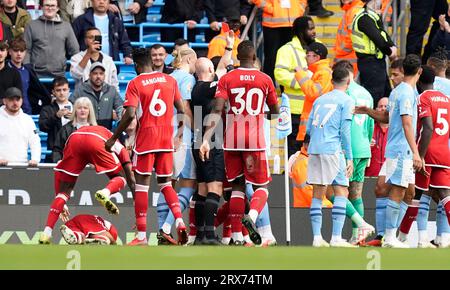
(361, 42)
(343, 45)
(290, 56)
(277, 14)
(319, 84)
(217, 45)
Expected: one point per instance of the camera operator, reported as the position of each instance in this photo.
(81, 62)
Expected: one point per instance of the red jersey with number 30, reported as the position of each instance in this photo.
(436, 105)
(247, 91)
(153, 95)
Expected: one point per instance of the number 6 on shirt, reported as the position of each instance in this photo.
(157, 101)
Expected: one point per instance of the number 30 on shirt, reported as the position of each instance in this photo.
(247, 103)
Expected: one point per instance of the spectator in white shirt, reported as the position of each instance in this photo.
(17, 132)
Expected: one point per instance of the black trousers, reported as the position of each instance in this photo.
(373, 77)
(421, 13)
(293, 144)
(274, 38)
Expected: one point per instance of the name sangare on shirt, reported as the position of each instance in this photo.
(152, 81)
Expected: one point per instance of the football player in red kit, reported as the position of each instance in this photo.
(87, 146)
(88, 229)
(245, 90)
(151, 96)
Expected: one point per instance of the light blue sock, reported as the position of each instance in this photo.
(263, 217)
(338, 214)
(162, 210)
(315, 213)
(424, 210)
(439, 224)
(184, 196)
(403, 208)
(392, 214)
(380, 213)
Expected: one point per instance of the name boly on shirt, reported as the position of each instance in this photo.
(247, 77)
(152, 81)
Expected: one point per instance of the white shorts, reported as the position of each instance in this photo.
(327, 169)
(183, 163)
(399, 171)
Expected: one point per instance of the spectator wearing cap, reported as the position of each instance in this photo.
(221, 11)
(35, 94)
(316, 85)
(9, 77)
(114, 35)
(49, 42)
(15, 17)
(218, 44)
(105, 98)
(17, 131)
(80, 63)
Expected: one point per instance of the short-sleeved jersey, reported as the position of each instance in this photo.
(326, 120)
(89, 224)
(402, 101)
(442, 85)
(362, 124)
(185, 81)
(153, 95)
(246, 91)
(436, 105)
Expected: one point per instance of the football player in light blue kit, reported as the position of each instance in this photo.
(402, 155)
(330, 156)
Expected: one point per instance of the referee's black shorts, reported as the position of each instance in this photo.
(212, 169)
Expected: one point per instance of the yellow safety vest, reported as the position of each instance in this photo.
(361, 42)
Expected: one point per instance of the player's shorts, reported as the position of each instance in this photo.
(327, 169)
(77, 155)
(399, 171)
(439, 178)
(383, 169)
(359, 169)
(184, 165)
(161, 161)
(212, 169)
(88, 224)
(253, 165)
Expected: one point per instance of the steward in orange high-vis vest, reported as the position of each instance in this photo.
(319, 84)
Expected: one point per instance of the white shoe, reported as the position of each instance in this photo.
(268, 243)
(444, 244)
(320, 244)
(365, 231)
(341, 244)
(394, 243)
(191, 240)
(68, 235)
(426, 245)
(98, 240)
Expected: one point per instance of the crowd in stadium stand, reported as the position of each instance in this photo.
(64, 64)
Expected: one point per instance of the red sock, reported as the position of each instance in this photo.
(226, 230)
(192, 227)
(446, 205)
(172, 200)
(116, 184)
(244, 231)
(410, 217)
(222, 214)
(259, 199)
(237, 209)
(56, 208)
(140, 207)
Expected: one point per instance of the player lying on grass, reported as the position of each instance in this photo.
(88, 229)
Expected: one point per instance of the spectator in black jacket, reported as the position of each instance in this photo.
(180, 11)
(83, 115)
(218, 11)
(57, 114)
(35, 94)
(442, 37)
(8, 76)
(114, 39)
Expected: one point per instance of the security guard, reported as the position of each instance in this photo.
(371, 44)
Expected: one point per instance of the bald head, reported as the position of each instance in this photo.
(204, 69)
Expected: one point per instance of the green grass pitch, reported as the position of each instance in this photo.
(218, 258)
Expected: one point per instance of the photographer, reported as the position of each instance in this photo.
(57, 114)
(81, 62)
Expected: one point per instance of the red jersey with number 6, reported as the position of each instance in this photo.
(153, 95)
(247, 91)
(436, 105)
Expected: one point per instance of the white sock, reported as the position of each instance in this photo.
(226, 241)
(106, 191)
(247, 239)
(423, 236)
(141, 235)
(389, 234)
(357, 219)
(178, 221)
(237, 236)
(336, 238)
(318, 238)
(253, 213)
(48, 231)
(167, 228)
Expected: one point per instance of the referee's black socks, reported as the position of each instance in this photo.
(211, 206)
(199, 215)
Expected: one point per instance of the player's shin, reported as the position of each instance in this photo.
(140, 209)
(338, 215)
(236, 212)
(258, 202)
(55, 210)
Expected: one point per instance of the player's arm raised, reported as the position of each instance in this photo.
(225, 60)
(130, 112)
(379, 116)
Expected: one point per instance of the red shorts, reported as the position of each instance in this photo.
(439, 178)
(87, 224)
(162, 161)
(253, 165)
(81, 151)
